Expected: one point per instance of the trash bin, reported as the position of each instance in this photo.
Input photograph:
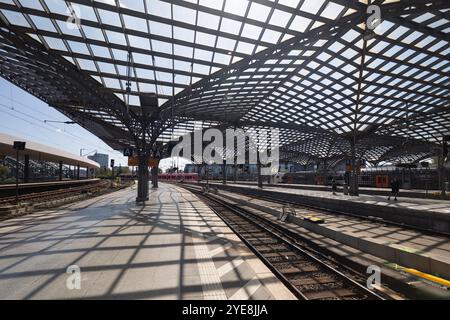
(345, 189)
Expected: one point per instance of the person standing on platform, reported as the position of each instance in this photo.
(334, 186)
(395, 189)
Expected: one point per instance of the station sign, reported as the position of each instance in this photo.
(153, 162)
(348, 166)
(128, 152)
(19, 145)
(157, 154)
(134, 161)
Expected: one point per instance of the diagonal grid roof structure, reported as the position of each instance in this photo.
(310, 68)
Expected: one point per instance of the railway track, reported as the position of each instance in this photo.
(310, 275)
(54, 194)
(336, 213)
(379, 221)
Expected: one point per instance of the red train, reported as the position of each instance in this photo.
(179, 177)
(175, 177)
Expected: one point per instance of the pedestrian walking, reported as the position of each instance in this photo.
(395, 189)
(334, 186)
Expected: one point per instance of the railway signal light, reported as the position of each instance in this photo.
(112, 168)
(19, 145)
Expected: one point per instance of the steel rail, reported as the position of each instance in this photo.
(54, 194)
(285, 238)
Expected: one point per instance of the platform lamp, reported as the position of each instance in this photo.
(18, 146)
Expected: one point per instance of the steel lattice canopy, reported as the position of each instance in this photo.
(310, 68)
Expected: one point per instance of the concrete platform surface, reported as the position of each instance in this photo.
(426, 205)
(175, 247)
(404, 193)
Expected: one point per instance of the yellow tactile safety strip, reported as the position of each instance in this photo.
(420, 274)
(428, 277)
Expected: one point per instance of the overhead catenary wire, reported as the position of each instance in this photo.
(54, 129)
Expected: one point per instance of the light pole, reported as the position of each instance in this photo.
(441, 164)
(18, 146)
(112, 169)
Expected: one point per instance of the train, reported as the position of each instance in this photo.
(425, 179)
(410, 178)
(175, 177)
(179, 177)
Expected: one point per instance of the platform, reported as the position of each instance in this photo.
(420, 213)
(7, 190)
(175, 247)
(39, 152)
(395, 245)
(404, 193)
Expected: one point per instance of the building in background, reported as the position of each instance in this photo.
(101, 159)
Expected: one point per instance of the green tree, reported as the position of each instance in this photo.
(103, 173)
(4, 172)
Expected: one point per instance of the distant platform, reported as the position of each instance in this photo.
(7, 190)
(175, 247)
(47, 183)
(433, 215)
(410, 193)
(40, 152)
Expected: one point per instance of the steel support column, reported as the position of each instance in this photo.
(60, 171)
(143, 177)
(354, 184)
(26, 169)
(235, 167)
(155, 171)
(441, 176)
(258, 161)
(224, 172)
(258, 167)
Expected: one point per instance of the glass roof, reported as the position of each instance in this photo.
(289, 64)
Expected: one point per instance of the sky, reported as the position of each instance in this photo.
(22, 115)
